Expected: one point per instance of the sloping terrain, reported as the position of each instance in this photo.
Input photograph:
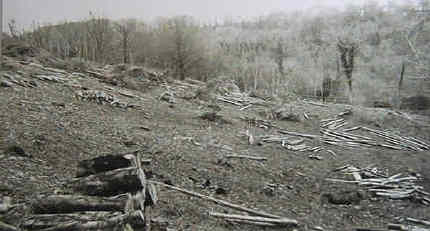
(51, 119)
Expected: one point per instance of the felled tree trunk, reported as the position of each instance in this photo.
(72, 203)
(110, 183)
(82, 221)
(101, 164)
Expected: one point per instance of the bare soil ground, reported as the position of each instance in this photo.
(56, 130)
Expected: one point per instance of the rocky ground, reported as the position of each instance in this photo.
(53, 118)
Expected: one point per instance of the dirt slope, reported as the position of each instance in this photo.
(47, 125)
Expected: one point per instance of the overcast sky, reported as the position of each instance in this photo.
(52, 11)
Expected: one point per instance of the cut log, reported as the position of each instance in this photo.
(82, 221)
(71, 203)
(110, 183)
(102, 164)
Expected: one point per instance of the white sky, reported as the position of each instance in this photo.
(52, 11)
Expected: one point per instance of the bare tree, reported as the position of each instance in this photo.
(99, 32)
(279, 54)
(347, 51)
(181, 46)
(12, 29)
(126, 29)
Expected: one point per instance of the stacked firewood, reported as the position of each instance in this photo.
(110, 193)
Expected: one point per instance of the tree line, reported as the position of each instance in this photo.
(279, 54)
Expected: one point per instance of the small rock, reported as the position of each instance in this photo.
(343, 198)
(16, 150)
(221, 191)
(207, 183)
(58, 104)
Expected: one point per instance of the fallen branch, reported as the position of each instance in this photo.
(247, 157)
(280, 221)
(219, 202)
(299, 134)
(421, 222)
(316, 104)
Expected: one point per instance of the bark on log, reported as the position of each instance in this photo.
(101, 164)
(71, 203)
(110, 183)
(82, 221)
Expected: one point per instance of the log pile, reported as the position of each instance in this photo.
(111, 192)
(398, 186)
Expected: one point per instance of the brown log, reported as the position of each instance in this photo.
(110, 183)
(71, 203)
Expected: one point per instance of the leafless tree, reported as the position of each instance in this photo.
(347, 52)
(279, 54)
(99, 31)
(126, 30)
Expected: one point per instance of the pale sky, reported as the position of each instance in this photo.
(52, 11)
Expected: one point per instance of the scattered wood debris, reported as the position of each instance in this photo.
(389, 140)
(102, 97)
(257, 215)
(394, 187)
(241, 100)
(259, 123)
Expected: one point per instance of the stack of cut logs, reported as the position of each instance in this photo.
(112, 193)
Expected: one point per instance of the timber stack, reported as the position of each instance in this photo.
(110, 193)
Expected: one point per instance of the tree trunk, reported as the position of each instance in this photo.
(101, 164)
(108, 183)
(71, 203)
(399, 87)
(82, 221)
